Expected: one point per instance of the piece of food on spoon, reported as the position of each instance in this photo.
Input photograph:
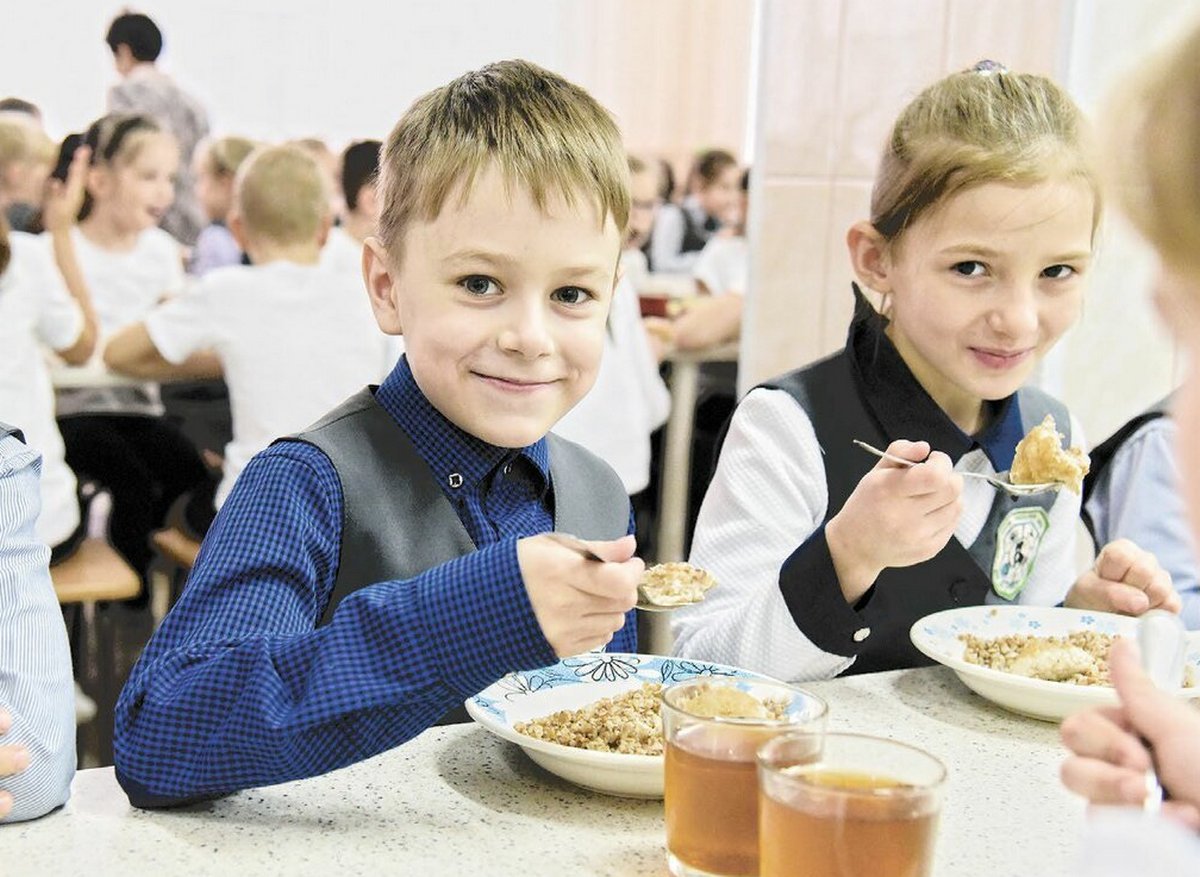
(675, 584)
(1042, 459)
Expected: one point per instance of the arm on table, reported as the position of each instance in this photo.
(239, 688)
(132, 352)
(708, 321)
(36, 691)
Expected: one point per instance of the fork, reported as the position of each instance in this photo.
(997, 481)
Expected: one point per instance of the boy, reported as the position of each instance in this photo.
(368, 575)
(360, 169)
(292, 339)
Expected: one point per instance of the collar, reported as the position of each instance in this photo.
(904, 409)
(461, 463)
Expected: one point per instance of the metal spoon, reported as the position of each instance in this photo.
(1162, 642)
(580, 547)
(1000, 482)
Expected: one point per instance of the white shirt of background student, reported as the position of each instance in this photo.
(293, 340)
(628, 401)
(36, 307)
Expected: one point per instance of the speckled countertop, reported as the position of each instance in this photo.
(459, 801)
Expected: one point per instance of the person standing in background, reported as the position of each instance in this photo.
(136, 42)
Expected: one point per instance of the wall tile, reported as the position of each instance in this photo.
(798, 88)
(1024, 35)
(889, 52)
(784, 318)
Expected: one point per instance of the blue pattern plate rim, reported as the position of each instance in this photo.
(526, 695)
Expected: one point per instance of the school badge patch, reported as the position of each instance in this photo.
(1017, 543)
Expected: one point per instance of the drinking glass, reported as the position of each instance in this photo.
(846, 805)
(710, 787)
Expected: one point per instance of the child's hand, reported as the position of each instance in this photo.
(13, 760)
(896, 516)
(63, 199)
(1125, 579)
(578, 602)
(1109, 759)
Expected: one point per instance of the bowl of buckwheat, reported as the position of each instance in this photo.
(593, 719)
(1045, 662)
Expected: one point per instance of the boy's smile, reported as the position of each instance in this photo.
(502, 305)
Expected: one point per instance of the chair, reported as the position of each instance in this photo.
(94, 573)
(176, 555)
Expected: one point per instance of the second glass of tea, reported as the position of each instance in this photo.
(712, 728)
(847, 805)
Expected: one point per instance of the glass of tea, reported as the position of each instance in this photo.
(846, 805)
(712, 728)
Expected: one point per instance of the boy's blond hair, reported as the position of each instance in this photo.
(984, 125)
(225, 155)
(281, 195)
(543, 133)
(22, 142)
(1153, 150)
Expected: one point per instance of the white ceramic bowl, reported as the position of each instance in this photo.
(573, 683)
(937, 635)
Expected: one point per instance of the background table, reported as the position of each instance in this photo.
(459, 801)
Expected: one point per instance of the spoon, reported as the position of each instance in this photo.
(1161, 642)
(1000, 482)
(580, 547)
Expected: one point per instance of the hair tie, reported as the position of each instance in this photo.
(987, 67)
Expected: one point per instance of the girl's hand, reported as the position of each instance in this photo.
(1109, 760)
(63, 199)
(896, 516)
(1125, 579)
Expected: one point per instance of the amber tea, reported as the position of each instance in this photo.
(876, 831)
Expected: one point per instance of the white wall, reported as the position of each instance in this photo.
(270, 69)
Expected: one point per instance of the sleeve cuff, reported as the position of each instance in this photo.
(480, 622)
(814, 598)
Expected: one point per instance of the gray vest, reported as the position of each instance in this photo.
(397, 522)
(956, 576)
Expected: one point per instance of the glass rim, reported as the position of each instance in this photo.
(822, 706)
(761, 757)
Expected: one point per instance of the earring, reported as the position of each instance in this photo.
(885, 304)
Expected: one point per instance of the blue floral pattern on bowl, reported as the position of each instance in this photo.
(596, 668)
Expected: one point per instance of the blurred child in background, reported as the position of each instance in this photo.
(213, 171)
(116, 435)
(291, 337)
(682, 230)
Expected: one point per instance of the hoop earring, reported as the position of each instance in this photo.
(885, 305)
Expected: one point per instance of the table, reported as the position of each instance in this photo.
(90, 376)
(459, 801)
(677, 446)
(654, 630)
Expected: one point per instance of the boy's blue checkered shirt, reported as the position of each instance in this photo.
(240, 688)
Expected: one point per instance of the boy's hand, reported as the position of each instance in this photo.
(896, 516)
(1125, 579)
(579, 603)
(13, 760)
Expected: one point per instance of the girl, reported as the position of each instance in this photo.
(682, 230)
(983, 216)
(1156, 144)
(214, 170)
(116, 435)
(37, 308)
